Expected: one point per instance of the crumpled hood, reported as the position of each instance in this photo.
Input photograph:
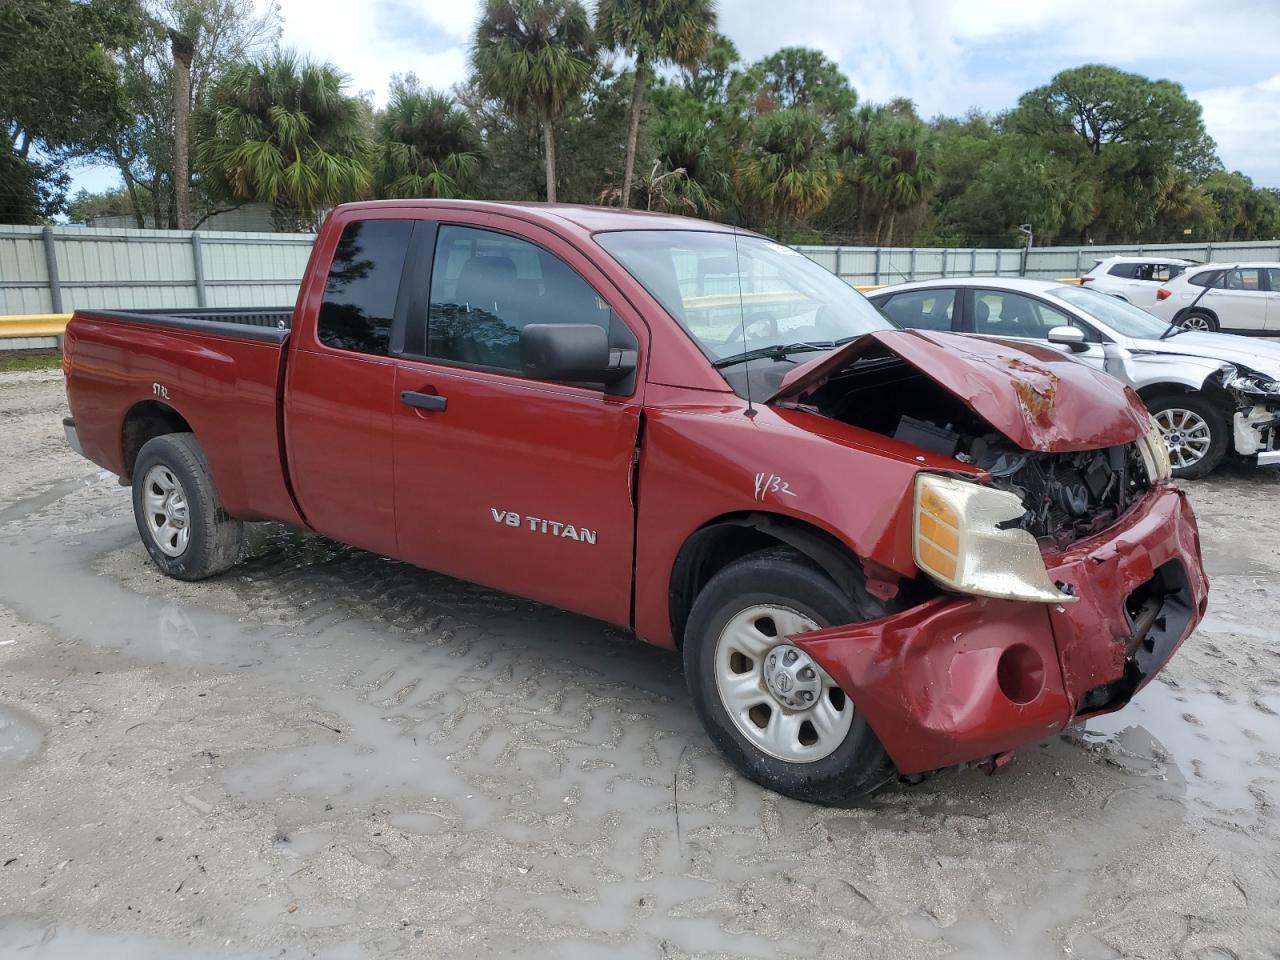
(1037, 397)
(1244, 353)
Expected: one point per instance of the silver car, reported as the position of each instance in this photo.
(1211, 393)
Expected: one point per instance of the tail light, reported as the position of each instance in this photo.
(68, 347)
(1163, 293)
(1084, 280)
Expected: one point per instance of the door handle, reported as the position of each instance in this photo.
(424, 401)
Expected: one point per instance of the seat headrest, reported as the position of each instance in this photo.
(485, 279)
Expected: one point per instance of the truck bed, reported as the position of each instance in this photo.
(218, 370)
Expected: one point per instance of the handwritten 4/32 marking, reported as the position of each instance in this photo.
(767, 483)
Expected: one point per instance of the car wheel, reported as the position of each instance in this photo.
(1195, 431)
(1199, 321)
(768, 707)
(180, 519)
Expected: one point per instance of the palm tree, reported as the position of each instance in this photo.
(654, 32)
(788, 166)
(183, 50)
(428, 146)
(281, 131)
(892, 162)
(534, 55)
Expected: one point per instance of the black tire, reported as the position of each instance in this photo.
(216, 541)
(1204, 315)
(1219, 432)
(785, 577)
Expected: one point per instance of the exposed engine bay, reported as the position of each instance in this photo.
(1068, 495)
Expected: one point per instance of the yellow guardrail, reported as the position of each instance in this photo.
(34, 325)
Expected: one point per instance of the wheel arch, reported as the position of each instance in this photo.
(1211, 390)
(1198, 308)
(144, 421)
(727, 538)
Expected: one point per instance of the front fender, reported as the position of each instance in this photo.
(700, 464)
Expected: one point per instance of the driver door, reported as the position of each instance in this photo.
(518, 484)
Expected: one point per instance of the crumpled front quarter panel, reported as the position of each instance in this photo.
(705, 459)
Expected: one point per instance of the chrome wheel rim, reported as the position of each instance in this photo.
(165, 505)
(1195, 322)
(780, 700)
(1186, 434)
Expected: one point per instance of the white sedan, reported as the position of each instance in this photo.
(1240, 297)
(1209, 393)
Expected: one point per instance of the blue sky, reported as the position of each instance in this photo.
(946, 56)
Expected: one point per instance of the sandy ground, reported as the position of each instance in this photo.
(328, 754)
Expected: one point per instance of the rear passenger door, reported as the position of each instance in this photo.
(339, 396)
(1241, 302)
(519, 484)
(1273, 298)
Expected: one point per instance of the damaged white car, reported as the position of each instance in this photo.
(1211, 393)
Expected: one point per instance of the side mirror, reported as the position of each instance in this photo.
(572, 353)
(1070, 337)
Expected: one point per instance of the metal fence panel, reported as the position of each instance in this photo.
(134, 269)
(24, 273)
(123, 268)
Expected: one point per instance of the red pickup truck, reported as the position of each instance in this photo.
(880, 551)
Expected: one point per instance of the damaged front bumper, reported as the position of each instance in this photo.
(964, 679)
(1256, 430)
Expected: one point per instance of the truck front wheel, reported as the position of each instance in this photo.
(769, 707)
(180, 519)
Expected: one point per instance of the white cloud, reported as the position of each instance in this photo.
(1245, 121)
(371, 41)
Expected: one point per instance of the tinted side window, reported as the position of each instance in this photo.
(486, 287)
(1274, 274)
(1125, 271)
(1206, 278)
(921, 309)
(1248, 279)
(1001, 314)
(364, 279)
(1157, 272)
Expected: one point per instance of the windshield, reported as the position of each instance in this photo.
(1122, 317)
(778, 296)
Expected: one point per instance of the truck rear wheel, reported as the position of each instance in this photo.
(768, 707)
(180, 519)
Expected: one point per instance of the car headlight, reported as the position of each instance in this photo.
(1155, 453)
(1254, 385)
(964, 540)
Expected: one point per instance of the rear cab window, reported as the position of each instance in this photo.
(364, 281)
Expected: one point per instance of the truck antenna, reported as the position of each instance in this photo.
(742, 317)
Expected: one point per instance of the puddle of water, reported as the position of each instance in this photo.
(1225, 749)
(20, 736)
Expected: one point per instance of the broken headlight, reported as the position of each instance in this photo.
(1254, 385)
(966, 537)
(1155, 453)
